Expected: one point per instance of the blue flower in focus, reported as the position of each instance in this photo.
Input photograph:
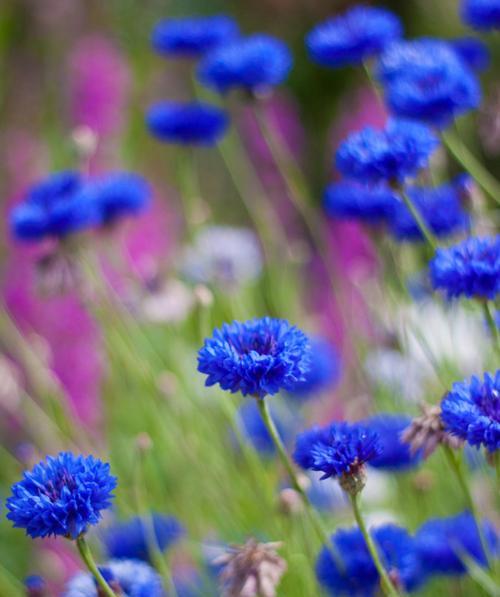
(254, 429)
(323, 373)
(195, 123)
(352, 200)
(395, 455)
(358, 34)
(116, 195)
(440, 541)
(471, 411)
(336, 450)
(133, 578)
(62, 495)
(128, 540)
(440, 208)
(391, 154)
(256, 357)
(481, 14)
(254, 64)
(425, 79)
(471, 268)
(192, 36)
(473, 52)
(52, 208)
(358, 576)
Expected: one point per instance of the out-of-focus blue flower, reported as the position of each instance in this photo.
(358, 576)
(481, 14)
(35, 586)
(440, 208)
(116, 195)
(398, 151)
(473, 52)
(195, 123)
(440, 542)
(325, 496)
(133, 577)
(324, 370)
(360, 33)
(352, 200)
(471, 268)
(62, 495)
(254, 64)
(256, 357)
(471, 411)
(426, 80)
(395, 455)
(53, 208)
(223, 255)
(254, 429)
(336, 450)
(128, 540)
(192, 36)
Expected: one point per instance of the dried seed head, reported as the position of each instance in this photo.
(251, 570)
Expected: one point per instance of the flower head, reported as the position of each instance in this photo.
(473, 52)
(127, 540)
(338, 450)
(132, 577)
(358, 575)
(481, 14)
(52, 208)
(471, 411)
(425, 79)
(192, 36)
(352, 200)
(471, 268)
(360, 33)
(257, 357)
(194, 123)
(440, 208)
(62, 495)
(391, 154)
(395, 455)
(251, 570)
(254, 64)
(440, 542)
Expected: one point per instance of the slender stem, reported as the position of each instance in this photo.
(288, 464)
(385, 581)
(488, 314)
(428, 235)
(474, 167)
(88, 560)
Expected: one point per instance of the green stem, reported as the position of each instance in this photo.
(474, 167)
(428, 235)
(385, 581)
(488, 314)
(88, 560)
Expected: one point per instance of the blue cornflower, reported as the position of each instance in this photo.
(440, 208)
(128, 540)
(352, 200)
(338, 450)
(395, 454)
(441, 541)
(473, 52)
(360, 33)
(254, 64)
(132, 577)
(471, 268)
(257, 357)
(391, 154)
(116, 195)
(324, 370)
(195, 123)
(481, 14)
(471, 411)
(192, 36)
(358, 576)
(425, 79)
(62, 495)
(52, 208)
